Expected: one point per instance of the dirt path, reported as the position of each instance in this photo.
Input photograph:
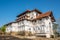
(16, 38)
(11, 38)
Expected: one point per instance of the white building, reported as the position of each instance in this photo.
(34, 21)
(12, 27)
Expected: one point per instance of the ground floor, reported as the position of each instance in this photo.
(29, 30)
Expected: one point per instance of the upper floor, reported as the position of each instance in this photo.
(34, 15)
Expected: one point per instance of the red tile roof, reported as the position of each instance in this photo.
(42, 15)
(45, 15)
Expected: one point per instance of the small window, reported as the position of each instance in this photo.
(40, 19)
(46, 18)
(43, 25)
(38, 28)
(29, 28)
(34, 28)
(49, 24)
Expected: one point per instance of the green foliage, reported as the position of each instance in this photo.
(0, 28)
(3, 28)
(55, 26)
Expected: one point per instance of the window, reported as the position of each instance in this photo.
(34, 28)
(42, 29)
(46, 18)
(40, 22)
(38, 28)
(18, 26)
(29, 28)
(43, 25)
(49, 24)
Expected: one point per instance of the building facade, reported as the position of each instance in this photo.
(34, 21)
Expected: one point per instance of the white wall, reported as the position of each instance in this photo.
(35, 27)
(32, 15)
(48, 27)
(28, 24)
(8, 28)
(14, 27)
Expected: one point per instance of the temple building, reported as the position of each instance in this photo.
(34, 22)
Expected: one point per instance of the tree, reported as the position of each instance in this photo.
(58, 21)
(55, 27)
(3, 28)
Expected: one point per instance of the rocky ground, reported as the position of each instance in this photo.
(16, 38)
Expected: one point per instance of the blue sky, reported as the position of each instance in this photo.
(9, 9)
